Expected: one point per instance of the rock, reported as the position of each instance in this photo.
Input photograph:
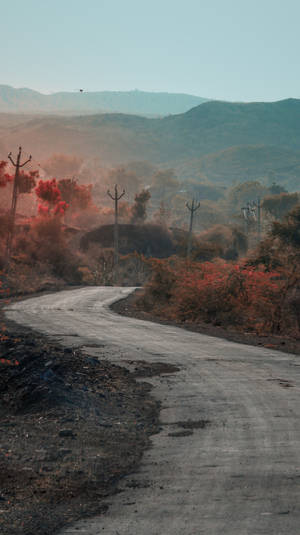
(63, 451)
(66, 433)
(47, 468)
(49, 375)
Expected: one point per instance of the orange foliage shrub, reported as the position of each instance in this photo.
(45, 244)
(79, 196)
(220, 293)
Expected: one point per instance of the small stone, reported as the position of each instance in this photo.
(64, 451)
(66, 433)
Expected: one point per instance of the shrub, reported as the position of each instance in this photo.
(225, 294)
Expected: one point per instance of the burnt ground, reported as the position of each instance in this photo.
(132, 307)
(71, 427)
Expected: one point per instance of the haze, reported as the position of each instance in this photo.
(234, 50)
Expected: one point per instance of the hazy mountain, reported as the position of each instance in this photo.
(224, 131)
(239, 164)
(137, 102)
(217, 125)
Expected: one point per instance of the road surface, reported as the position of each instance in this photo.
(239, 474)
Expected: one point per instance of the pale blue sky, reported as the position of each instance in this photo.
(226, 49)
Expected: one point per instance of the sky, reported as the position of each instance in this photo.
(236, 50)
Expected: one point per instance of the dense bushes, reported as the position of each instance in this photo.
(261, 293)
(223, 294)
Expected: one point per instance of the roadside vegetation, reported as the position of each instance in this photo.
(259, 293)
(243, 266)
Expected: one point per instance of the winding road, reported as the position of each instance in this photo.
(237, 475)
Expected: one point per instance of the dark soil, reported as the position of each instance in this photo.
(70, 427)
(132, 306)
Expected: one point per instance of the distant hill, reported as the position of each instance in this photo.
(225, 141)
(217, 125)
(239, 164)
(137, 102)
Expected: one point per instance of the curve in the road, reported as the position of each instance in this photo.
(239, 474)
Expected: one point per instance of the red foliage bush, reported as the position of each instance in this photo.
(220, 293)
(60, 208)
(48, 191)
(77, 195)
(50, 195)
(43, 210)
(45, 244)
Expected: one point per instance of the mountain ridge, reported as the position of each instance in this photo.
(20, 100)
(218, 139)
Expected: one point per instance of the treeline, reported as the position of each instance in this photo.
(168, 193)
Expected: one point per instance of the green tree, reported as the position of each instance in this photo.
(240, 194)
(139, 209)
(275, 189)
(279, 205)
(289, 229)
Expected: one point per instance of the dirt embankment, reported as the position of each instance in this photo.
(132, 306)
(70, 425)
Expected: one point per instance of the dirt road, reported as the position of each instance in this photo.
(227, 459)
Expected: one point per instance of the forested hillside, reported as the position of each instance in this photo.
(220, 141)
